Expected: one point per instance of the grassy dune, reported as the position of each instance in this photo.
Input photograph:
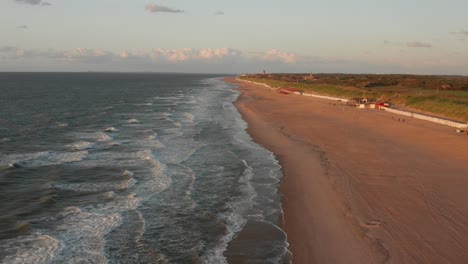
(445, 103)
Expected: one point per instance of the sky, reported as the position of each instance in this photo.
(216, 36)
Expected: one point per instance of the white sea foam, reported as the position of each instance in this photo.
(188, 117)
(158, 180)
(172, 132)
(133, 121)
(102, 137)
(112, 159)
(81, 145)
(95, 187)
(61, 124)
(152, 175)
(234, 219)
(111, 129)
(80, 231)
(95, 136)
(45, 158)
(83, 235)
(36, 248)
(109, 195)
(167, 98)
(152, 136)
(128, 173)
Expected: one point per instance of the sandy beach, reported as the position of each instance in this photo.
(361, 185)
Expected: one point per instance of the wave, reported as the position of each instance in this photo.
(38, 159)
(81, 145)
(95, 187)
(111, 129)
(233, 218)
(76, 235)
(83, 234)
(35, 248)
(152, 178)
(95, 136)
(156, 180)
(61, 124)
(172, 132)
(133, 121)
(188, 117)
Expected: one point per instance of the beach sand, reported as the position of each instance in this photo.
(361, 185)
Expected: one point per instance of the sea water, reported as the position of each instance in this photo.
(131, 168)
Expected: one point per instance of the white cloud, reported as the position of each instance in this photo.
(205, 54)
(87, 55)
(208, 54)
(7, 49)
(172, 55)
(22, 27)
(219, 13)
(461, 32)
(275, 55)
(392, 43)
(124, 54)
(417, 44)
(33, 2)
(163, 9)
(29, 2)
(100, 56)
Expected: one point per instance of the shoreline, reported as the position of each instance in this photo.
(376, 207)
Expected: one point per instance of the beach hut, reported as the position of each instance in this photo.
(288, 90)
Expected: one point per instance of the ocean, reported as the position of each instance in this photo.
(133, 168)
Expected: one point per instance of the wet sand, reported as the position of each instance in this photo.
(361, 185)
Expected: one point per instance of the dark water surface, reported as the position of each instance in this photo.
(131, 168)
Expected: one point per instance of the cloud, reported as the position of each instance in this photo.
(219, 13)
(7, 49)
(417, 44)
(461, 32)
(29, 2)
(392, 43)
(163, 9)
(209, 54)
(188, 54)
(97, 56)
(275, 55)
(124, 54)
(22, 27)
(411, 44)
(33, 2)
(77, 55)
(93, 56)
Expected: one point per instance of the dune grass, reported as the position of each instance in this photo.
(449, 104)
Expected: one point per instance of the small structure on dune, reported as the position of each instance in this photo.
(358, 101)
(362, 102)
(288, 90)
(309, 77)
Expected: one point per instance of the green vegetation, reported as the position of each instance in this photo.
(446, 96)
